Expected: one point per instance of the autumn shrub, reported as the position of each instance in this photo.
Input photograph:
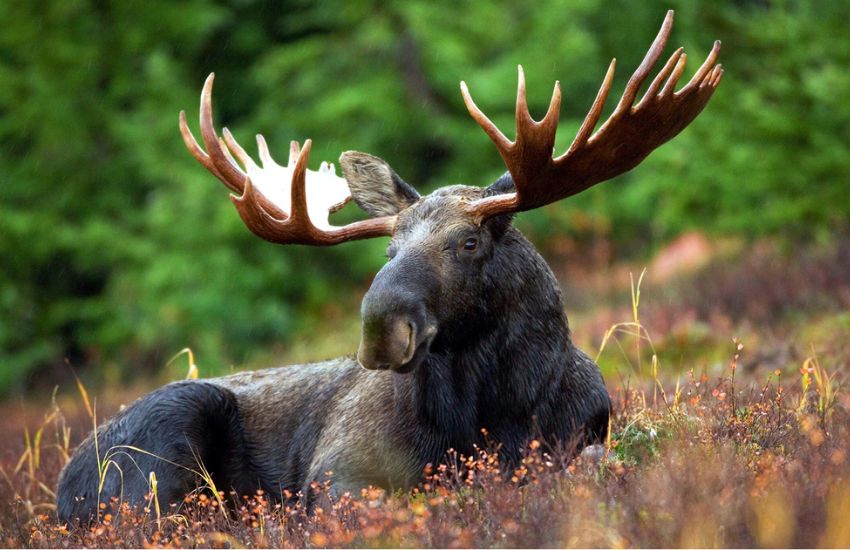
(720, 461)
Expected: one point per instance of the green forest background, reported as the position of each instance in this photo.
(118, 249)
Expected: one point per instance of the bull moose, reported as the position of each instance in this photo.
(463, 328)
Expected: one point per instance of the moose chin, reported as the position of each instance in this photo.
(463, 328)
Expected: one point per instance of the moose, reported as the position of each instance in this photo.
(463, 328)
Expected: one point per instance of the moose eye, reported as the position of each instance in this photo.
(470, 245)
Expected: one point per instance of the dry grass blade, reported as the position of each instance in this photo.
(84, 394)
(192, 373)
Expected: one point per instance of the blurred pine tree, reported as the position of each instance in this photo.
(118, 250)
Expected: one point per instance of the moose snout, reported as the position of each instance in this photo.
(387, 343)
(398, 325)
(395, 337)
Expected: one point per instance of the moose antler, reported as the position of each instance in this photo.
(282, 204)
(623, 141)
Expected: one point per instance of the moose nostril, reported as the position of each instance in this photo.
(411, 342)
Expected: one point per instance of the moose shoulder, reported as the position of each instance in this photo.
(463, 329)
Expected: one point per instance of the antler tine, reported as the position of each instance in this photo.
(299, 181)
(227, 154)
(670, 85)
(549, 122)
(496, 135)
(236, 149)
(660, 77)
(716, 75)
(707, 66)
(232, 176)
(294, 151)
(263, 148)
(649, 61)
(586, 129)
(534, 139)
(522, 115)
(554, 110)
(195, 149)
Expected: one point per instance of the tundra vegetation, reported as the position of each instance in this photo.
(729, 423)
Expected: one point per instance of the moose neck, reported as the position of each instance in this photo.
(494, 366)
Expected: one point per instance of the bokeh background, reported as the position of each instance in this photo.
(117, 250)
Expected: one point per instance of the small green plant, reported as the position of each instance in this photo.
(639, 441)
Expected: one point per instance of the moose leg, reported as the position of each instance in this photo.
(177, 432)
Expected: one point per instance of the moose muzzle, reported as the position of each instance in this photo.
(391, 344)
(397, 328)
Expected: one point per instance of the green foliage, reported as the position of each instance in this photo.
(638, 443)
(119, 250)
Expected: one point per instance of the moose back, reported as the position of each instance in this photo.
(463, 329)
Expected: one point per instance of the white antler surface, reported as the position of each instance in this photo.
(326, 192)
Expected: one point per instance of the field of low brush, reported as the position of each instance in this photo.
(729, 428)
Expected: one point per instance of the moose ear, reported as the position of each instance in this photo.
(504, 184)
(374, 186)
